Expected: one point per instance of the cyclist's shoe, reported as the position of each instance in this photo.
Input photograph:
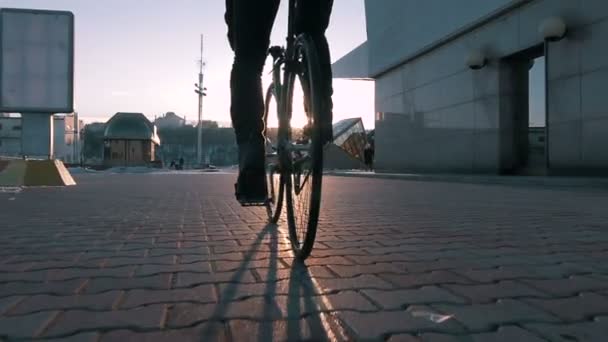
(250, 188)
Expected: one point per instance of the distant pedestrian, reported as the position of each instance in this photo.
(181, 163)
(368, 155)
(172, 164)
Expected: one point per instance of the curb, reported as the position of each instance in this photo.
(541, 181)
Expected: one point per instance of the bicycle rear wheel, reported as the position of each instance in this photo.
(274, 180)
(304, 153)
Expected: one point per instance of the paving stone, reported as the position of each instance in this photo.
(147, 270)
(231, 266)
(364, 244)
(72, 321)
(103, 301)
(404, 338)
(329, 252)
(308, 329)
(159, 281)
(152, 260)
(82, 337)
(486, 316)
(484, 293)
(345, 300)
(8, 302)
(188, 279)
(422, 279)
(366, 281)
(25, 326)
(378, 324)
(374, 259)
(327, 261)
(312, 272)
(355, 270)
(75, 273)
(555, 271)
(193, 258)
(16, 267)
(100, 256)
(33, 276)
(592, 331)
(577, 308)
(248, 249)
(159, 252)
(60, 264)
(568, 286)
(503, 334)
(59, 288)
(200, 294)
(287, 307)
(235, 291)
(258, 308)
(208, 331)
(396, 299)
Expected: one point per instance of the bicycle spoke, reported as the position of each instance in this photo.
(307, 178)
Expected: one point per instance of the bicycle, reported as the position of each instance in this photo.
(295, 177)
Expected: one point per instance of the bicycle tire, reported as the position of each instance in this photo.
(275, 185)
(310, 79)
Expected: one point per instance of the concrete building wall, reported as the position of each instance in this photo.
(399, 28)
(446, 117)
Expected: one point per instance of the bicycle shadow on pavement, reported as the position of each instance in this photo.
(305, 317)
(230, 294)
(299, 320)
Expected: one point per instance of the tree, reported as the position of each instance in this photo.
(93, 140)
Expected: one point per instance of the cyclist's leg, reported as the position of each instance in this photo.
(249, 26)
(313, 18)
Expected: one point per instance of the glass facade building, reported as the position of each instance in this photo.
(349, 135)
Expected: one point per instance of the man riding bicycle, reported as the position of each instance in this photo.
(249, 26)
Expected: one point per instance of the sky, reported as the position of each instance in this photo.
(537, 93)
(141, 56)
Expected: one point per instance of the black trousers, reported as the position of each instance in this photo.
(249, 26)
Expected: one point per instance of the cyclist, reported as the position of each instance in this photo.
(249, 26)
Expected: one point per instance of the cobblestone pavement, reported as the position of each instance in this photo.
(174, 258)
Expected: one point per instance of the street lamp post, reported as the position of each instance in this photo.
(200, 91)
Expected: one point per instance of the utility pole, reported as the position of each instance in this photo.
(200, 90)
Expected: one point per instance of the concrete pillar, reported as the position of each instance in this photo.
(37, 135)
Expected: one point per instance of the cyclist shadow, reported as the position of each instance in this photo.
(297, 321)
(303, 310)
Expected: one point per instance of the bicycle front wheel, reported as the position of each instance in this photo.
(303, 177)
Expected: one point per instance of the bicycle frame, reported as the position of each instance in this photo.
(282, 57)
